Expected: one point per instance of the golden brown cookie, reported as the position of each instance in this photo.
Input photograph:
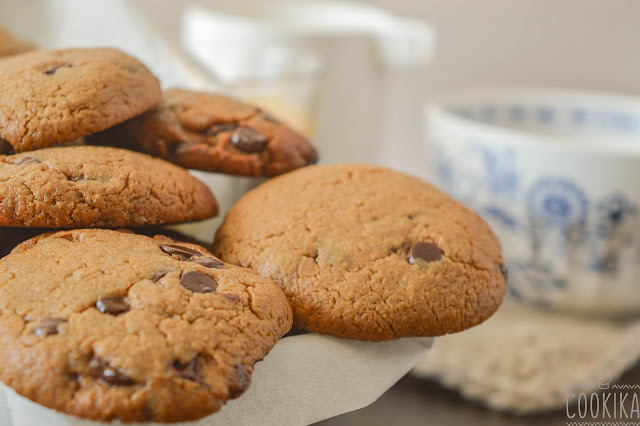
(9, 45)
(90, 186)
(215, 133)
(49, 97)
(112, 325)
(367, 253)
(11, 237)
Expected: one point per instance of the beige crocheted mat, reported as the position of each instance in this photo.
(523, 360)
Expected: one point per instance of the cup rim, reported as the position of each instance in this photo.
(437, 110)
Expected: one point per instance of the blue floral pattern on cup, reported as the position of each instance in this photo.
(557, 202)
(563, 228)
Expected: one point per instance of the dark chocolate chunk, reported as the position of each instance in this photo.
(242, 380)
(184, 253)
(231, 297)
(189, 371)
(505, 271)
(157, 276)
(52, 70)
(218, 128)
(108, 375)
(25, 161)
(112, 306)
(48, 326)
(209, 262)
(248, 140)
(5, 147)
(426, 252)
(198, 282)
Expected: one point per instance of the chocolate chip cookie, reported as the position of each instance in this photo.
(90, 186)
(212, 132)
(49, 97)
(111, 325)
(367, 253)
(10, 45)
(11, 237)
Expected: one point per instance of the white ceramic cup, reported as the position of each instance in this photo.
(556, 173)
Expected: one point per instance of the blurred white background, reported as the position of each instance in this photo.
(593, 44)
(572, 43)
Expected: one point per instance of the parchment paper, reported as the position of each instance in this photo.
(303, 380)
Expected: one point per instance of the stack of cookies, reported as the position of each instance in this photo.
(99, 321)
(103, 319)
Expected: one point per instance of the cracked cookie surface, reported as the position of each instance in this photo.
(215, 133)
(367, 253)
(89, 186)
(49, 97)
(113, 325)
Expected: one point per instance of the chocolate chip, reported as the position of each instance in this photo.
(248, 140)
(25, 161)
(158, 275)
(187, 254)
(5, 147)
(189, 371)
(182, 252)
(148, 413)
(77, 178)
(218, 128)
(52, 70)
(112, 306)
(232, 297)
(242, 379)
(48, 326)
(505, 271)
(209, 262)
(426, 252)
(108, 375)
(198, 282)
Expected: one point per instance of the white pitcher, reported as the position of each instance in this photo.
(363, 115)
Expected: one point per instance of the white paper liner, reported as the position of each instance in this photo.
(227, 190)
(303, 380)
